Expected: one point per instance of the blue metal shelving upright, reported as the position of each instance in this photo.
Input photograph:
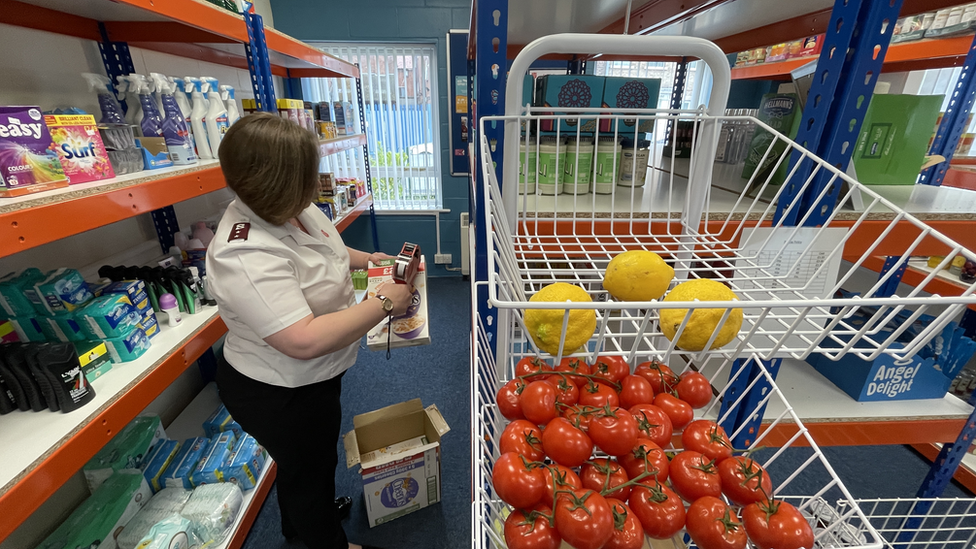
(954, 121)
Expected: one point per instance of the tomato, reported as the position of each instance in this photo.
(708, 438)
(627, 530)
(635, 390)
(611, 369)
(509, 399)
(580, 416)
(522, 437)
(713, 525)
(575, 366)
(565, 444)
(744, 481)
(694, 476)
(614, 431)
(661, 377)
(653, 423)
(694, 389)
(599, 395)
(584, 519)
(532, 365)
(678, 410)
(539, 402)
(566, 391)
(776, 525)
(659, 509)
(516, 483)
(559, 478)
(645, 456)
(602, 475)
(531, 530)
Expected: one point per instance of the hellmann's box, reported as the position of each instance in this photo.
(399, 454)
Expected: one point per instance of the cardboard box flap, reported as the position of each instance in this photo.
(390, 412)
(437, 420)
(379, 459)
(352, 449)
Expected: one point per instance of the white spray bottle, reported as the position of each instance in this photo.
(198, 115)
(174, 124)
(129, 91)
(227, 94)
(184, 104)
(216, 115)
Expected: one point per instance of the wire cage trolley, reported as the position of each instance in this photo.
(925, 523)
(769, 235)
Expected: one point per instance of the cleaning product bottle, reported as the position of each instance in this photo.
(197, 118)
(152, 122)
(174, 125)
(184, 103)
(127, 88)
(216, 115)
(227, 94)
(111, 110)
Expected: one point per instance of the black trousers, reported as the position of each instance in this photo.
(299, 427)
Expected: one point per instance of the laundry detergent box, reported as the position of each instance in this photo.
(220, 421)
(209, 469)
(79, 146)
(180, 471)
(569, 91)
(27, 163)
(245, 463)
(127, 450)
(60, 291)
(13, 300)
(630, 93)
(159, 462)
(412, 328)
(398, 452)
(109, 316)
(99, 520)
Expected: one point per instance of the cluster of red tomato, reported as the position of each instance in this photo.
(613, 503)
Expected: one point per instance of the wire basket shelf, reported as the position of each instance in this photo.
(925, 523)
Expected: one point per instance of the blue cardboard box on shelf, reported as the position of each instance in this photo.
(567, 92)
(926, 375)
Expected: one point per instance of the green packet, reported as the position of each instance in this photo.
(360, 280)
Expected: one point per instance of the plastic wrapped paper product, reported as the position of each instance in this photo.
(212, 509)
(173, 532)
(167, 502)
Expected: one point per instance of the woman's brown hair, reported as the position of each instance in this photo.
(272, 165)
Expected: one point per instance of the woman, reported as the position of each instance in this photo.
(280, 274)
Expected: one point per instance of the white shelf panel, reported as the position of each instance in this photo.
(26, 438)
(921, 264)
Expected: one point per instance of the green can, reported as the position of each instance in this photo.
(551, 162)
(608, 154)
(579, 166)
(527, 175)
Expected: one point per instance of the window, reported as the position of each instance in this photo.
(400, 97)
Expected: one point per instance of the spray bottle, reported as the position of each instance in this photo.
(227, 94)
(184, 104)
(111, 110)
(152, 122)
(127, 89)
(197, 118)
(217, 114)
(174, 125)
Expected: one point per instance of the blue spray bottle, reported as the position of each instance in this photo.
(152, 122)
(173, 125)
(109, 105)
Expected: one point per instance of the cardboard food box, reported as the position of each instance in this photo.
(568, 92)
(398, 451)
(630, 93)
(410, 329)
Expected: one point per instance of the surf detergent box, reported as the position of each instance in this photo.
(409, 330)
(27, 162)
(79, 146)
(398, 451)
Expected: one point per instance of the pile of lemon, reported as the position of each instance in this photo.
(636, 275)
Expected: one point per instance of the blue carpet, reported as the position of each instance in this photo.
(438, 373)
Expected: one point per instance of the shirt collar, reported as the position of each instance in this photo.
(278, 231)
(287, 230)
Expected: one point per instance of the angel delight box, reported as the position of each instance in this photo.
(76, 140)
(27, 162)
(408, 330)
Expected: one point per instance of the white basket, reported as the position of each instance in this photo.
(948, 523)
(808, 485)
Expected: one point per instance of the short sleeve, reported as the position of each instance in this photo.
(260, 288)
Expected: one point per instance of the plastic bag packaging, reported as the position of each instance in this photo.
(166, 502)
(212, 509)
(173, 532)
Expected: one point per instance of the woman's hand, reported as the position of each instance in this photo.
(376, 257)
(400, 294)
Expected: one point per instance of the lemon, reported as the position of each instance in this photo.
(703, 321)
(637, 275)
(546, 325)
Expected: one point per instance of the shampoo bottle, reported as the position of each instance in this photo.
(111, 110)
(216, 115)
(227, 94)
(152, 122)
(198, 116)
(174, 126)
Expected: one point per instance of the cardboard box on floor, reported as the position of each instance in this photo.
(399, 454)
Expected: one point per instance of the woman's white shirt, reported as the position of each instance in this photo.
(267, 277)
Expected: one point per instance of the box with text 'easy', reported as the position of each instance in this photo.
(399, 454)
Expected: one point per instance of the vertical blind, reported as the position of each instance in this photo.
(399, 84)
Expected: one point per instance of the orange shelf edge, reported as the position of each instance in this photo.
(291, 47)
(964, 475)
(31, 227)
(869, 432)
(349, 216)
(41, 482)
(261, 494)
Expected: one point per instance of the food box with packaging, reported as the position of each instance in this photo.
(568, 92)
(408, 330)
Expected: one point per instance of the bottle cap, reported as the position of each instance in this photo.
(167, 301)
